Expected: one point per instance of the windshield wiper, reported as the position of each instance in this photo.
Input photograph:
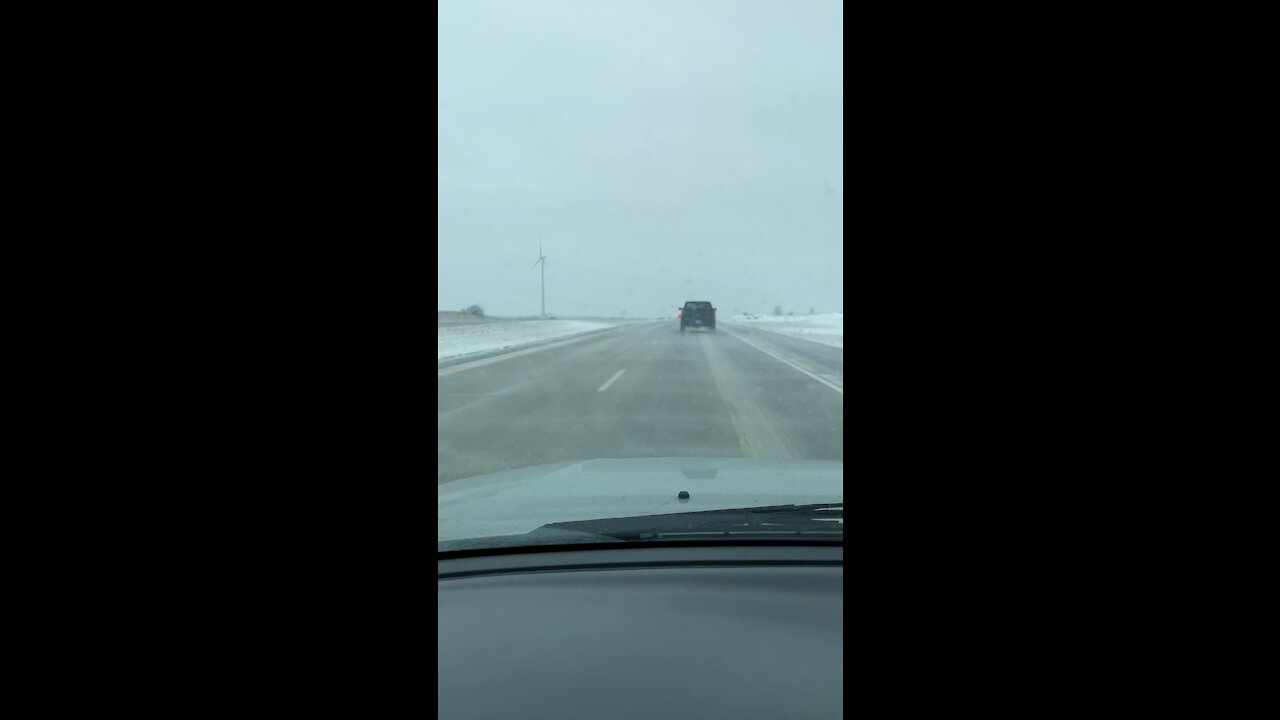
(817, 521)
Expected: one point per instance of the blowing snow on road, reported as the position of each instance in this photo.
(637, 388)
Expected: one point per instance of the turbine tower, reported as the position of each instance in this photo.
(542, 260)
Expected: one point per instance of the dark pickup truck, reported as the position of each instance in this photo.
(698, 314)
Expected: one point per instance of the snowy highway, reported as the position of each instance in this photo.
(640, 389)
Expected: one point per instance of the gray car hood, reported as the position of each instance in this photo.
(520, 501)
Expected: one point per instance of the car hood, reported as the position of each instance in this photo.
(520, 501)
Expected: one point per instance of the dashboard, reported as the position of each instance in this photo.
(630, 630)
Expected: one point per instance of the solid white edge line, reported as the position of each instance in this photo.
(806, 338)
(610, 382)
(788, 362)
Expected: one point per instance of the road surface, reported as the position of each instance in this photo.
(643, 390)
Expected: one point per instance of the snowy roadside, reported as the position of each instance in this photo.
(466, 339)
(827, 328)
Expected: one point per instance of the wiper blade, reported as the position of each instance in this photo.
(834, 508)
(817, 521)
(744, 533)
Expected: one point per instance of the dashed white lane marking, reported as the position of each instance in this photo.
(788, 362)
(611, 380)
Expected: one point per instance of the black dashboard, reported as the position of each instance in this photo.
(629, 631)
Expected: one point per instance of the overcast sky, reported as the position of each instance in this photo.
(661, 151)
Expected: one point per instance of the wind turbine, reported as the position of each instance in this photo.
(542, 260)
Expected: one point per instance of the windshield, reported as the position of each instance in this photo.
(640, 325)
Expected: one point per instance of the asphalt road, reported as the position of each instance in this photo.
(643, 390)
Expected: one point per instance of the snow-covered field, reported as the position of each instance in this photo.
(827, 328)
(464, 339)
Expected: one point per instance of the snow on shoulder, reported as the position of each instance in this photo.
(454, 340)
(825, 328)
